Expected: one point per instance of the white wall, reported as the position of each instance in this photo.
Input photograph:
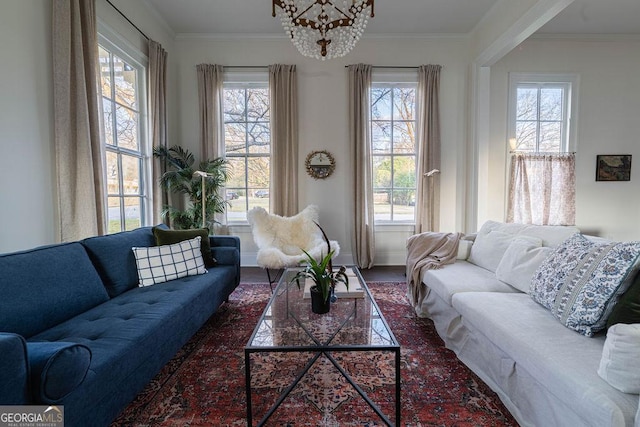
(608, 123)
(27, 193)
(323, 122)
(29, 214)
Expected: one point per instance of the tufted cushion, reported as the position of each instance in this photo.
(46, 286)
(581, 281)
(163, 263)
(169, 237)
(114, 260)
(57, 368)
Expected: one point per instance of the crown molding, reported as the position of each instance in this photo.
(586, 37)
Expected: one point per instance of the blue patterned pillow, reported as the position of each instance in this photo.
(581, 281)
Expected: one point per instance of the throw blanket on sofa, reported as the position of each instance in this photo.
(425, 251)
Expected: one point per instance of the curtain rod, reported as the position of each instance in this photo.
(128, 20)
(541, 152)
(401, 67)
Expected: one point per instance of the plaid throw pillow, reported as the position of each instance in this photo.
(159, 264)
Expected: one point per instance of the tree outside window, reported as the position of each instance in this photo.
(247, 137)
(125, 165)
(393, 140)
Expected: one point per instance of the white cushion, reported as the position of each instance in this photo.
(521, 259)
(620, 363)
(159, 264)
(581, 281)
(487, 250)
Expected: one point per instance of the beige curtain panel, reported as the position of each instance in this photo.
(210, 93)
(210, 80)
(363, 240)
(158, 116)
(542, 189)
(81, 194)
(428, 149)
(283, 106)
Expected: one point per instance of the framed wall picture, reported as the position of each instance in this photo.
(613, 167)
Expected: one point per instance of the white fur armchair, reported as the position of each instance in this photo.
(281, 240)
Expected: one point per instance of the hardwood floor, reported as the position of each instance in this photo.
(394, 273)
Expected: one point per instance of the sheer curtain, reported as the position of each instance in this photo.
(81, 193)
(283, 106)
(542, 189)
(428, 149)
(158, 116)
(363, 240)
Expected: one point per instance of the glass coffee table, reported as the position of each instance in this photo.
(288, 328)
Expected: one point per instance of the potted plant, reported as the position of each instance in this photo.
(179, 178)
(324, 278)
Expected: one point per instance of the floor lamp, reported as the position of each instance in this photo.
(203, 175)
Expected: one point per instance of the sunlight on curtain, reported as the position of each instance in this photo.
(542, 189)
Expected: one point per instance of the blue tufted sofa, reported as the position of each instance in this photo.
(76, 330)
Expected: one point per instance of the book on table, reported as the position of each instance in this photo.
(355, 288)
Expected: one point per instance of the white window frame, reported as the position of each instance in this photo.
(118, 46)
(569, 82)
(395, 78)
(243, 79)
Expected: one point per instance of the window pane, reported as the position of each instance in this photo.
(404, 202)
(125, 83)
(404, 137)
(113, 175)
(259, 138)
(258, 173)
(132, 213)
(381, 104)
(551, 104)
(404, 172)
(127, 127)
(108, 121)
(130, 174)
(234, 105)
(381, 171)
(258, 105)
(526, 136)
(550, 136)
(237, 172)
(404, 102)
(527, 104)
(235, 137)
(105, 72)
(381, 205)
(113, 214)
(381, 137)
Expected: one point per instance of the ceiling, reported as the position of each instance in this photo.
(395, 17)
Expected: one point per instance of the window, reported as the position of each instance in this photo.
(540, 112)
(247, 142)
(125, 142)
(393, 139)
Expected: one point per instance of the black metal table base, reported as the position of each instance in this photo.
(326, 351)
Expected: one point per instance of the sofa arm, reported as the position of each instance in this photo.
(226, 251)
(14, 370)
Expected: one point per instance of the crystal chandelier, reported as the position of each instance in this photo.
(324, 29)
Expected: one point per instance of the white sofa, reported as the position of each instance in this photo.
(545, 373)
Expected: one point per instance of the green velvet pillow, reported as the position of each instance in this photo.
(169, 237)
(627, 310)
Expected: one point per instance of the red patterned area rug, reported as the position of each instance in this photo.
(204, 384)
